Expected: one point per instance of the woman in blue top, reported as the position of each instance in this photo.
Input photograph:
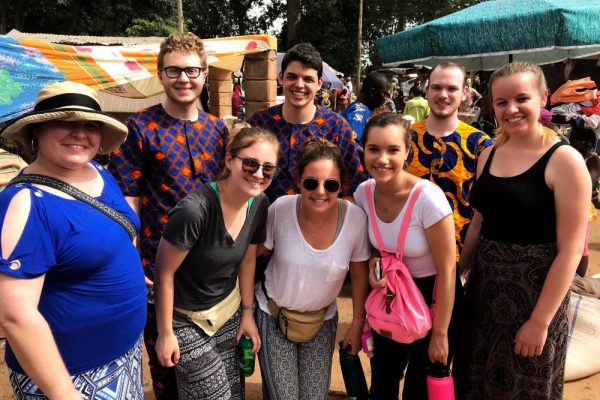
(71, 281)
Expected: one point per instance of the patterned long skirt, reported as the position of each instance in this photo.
(119, 379)
(501, 293)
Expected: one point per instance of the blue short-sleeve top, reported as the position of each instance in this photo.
(94, 296)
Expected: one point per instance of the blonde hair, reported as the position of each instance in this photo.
(548, 135)
(179, 41)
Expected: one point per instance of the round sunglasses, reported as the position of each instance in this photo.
(330, 185)
(250, 166)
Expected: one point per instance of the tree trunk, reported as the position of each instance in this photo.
(356, 88)
(293, 20)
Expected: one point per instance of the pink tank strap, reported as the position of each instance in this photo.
(405, 221)
(372, 215)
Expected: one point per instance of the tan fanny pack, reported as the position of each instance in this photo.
(297, 326)
(211, 320)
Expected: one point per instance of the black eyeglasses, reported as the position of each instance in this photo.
(250, 166)
(174, 72)
(331, 185)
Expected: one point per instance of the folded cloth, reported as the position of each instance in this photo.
(586, 286)
(574, 91)
(593, 110)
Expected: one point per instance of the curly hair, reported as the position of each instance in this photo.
(187, 42)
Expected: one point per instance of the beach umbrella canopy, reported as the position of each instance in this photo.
(490, 34)
(27, 65)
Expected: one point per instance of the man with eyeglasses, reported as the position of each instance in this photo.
(445, 149)
(172, 149)
(299, 119)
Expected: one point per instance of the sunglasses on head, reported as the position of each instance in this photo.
(330, 185)
(250, 166)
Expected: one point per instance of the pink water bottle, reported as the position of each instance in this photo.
(440, 385)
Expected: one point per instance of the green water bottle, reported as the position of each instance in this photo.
(245, 355)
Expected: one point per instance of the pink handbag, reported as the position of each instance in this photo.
(398, 311)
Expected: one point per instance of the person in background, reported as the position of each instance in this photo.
(445, 149)
(316, 238)
(71, 281)
(428, 254)
(206, 261)
(584, 141)
(298, 119)
(471, 98)
(10, 165)
(522, 249)
(417, 106)
(373, 94)
(172, 149)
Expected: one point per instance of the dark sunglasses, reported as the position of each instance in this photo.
(250, 166)
(174, 72)
(331, 185)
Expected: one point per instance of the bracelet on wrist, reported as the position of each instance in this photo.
(248, 307)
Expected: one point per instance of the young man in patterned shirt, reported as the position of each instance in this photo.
(172, 149)
(298, 119)
(445, 149)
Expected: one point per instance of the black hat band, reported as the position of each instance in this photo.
(67, 99)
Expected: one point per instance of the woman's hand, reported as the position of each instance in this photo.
(248, 327)
(376, 284)
(530, 339)
(438, 348)
(353, 336)
(167, 349)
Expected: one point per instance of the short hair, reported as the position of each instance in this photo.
(305, 54)
(180, 41)
(374, 80)
(416, 91)
(445, 65)
(315, 149)
(245, 138)
(386, 119)
(540, 82)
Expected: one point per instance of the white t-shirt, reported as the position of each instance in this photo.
(430, 208)
(301, 277)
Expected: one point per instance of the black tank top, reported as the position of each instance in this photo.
(518, 209)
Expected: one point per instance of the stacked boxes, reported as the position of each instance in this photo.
(260, 80)
(220, 87)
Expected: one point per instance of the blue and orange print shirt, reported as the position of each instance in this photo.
(326, 124)
(162, 160)
(451, 163)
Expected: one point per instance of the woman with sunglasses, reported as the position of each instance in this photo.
(205, 271)
(429, 255)
(316, 237)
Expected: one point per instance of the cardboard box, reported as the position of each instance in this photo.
(260, 69)
(219, 74)
(263, 90)
(219, 111)
(219, 86)
(219, 99)
(263, 55)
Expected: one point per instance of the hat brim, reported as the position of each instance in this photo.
(114, 132)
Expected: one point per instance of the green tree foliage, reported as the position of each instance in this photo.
(330, 25)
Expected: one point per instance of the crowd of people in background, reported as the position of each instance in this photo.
(192, 237)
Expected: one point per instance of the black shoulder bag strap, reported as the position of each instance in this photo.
(79, 195)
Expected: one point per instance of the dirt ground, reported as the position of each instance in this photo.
(582, 389)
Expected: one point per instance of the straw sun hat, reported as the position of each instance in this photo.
(66, 101)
